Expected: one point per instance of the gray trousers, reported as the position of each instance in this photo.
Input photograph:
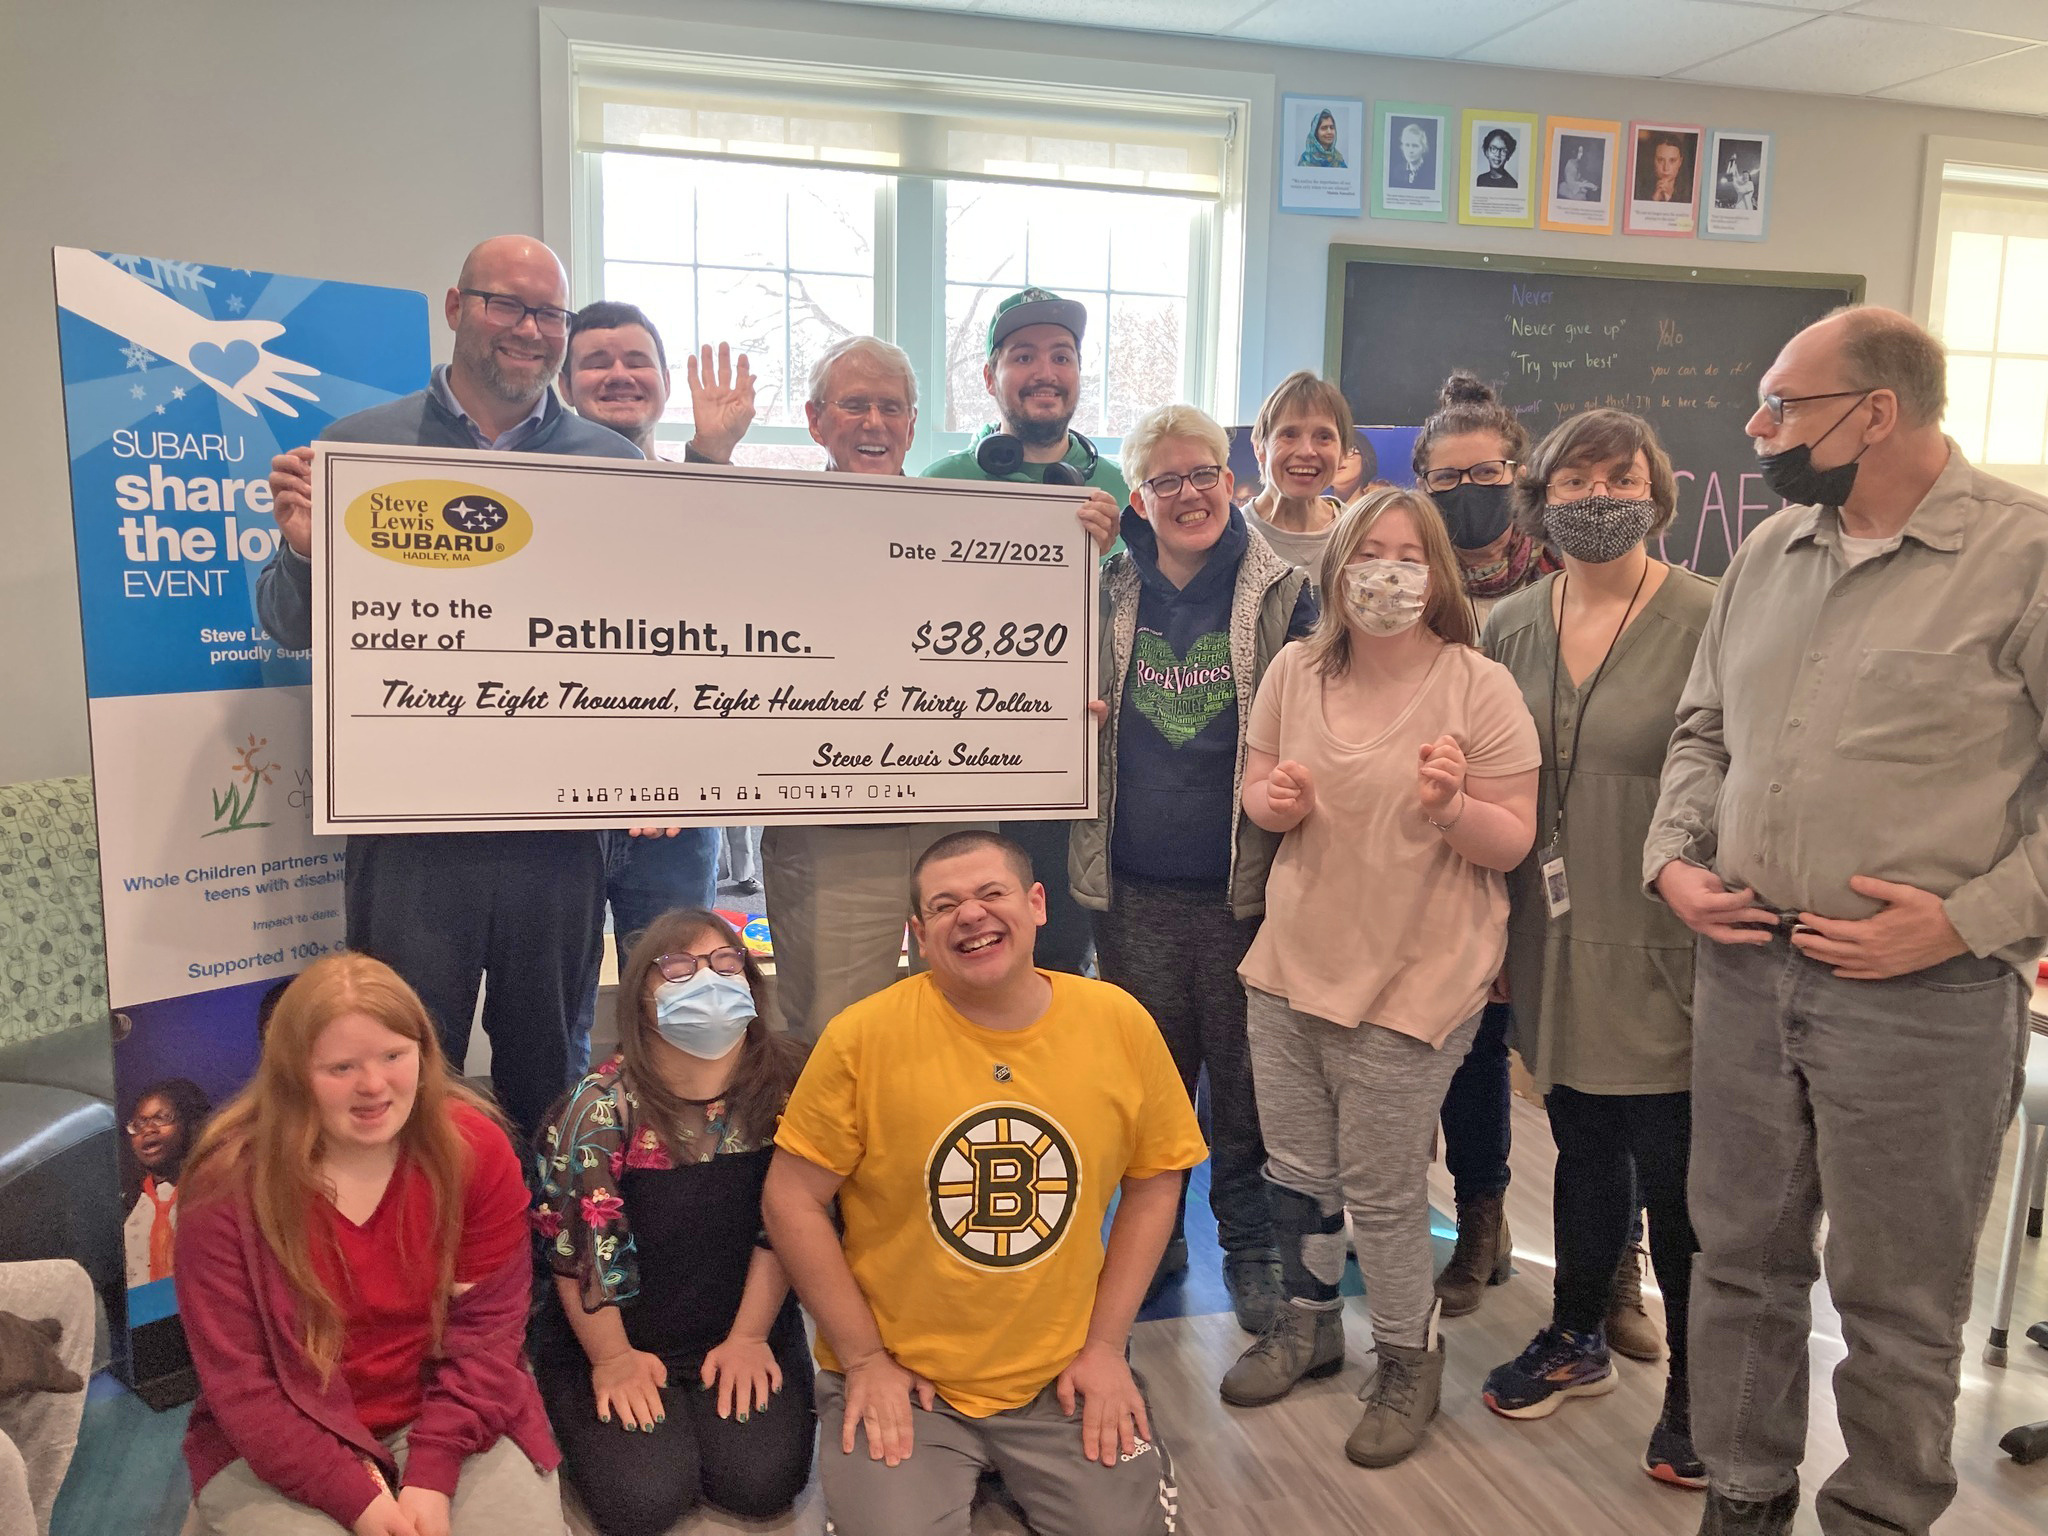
(1035, 1449)
(500, 1493)
(1884, 1104)
(1350, 1119)
(39, 1430)
(838, 899)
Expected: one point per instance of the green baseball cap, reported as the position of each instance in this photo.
(1035, 306)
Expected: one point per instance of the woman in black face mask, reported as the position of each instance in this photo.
(1601, 974)
(1466, 456)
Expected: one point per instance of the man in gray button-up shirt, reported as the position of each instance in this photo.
(1854, 818)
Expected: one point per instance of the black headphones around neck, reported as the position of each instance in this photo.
(1001, 455)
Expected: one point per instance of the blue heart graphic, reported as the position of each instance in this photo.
(230, 364)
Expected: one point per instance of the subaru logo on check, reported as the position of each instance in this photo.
(474, 514)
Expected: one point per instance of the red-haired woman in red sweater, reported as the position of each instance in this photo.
(353, 1273)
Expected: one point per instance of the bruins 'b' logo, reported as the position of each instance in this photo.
(1003, 1185)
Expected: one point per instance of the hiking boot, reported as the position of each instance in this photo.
(1670, 1457)
(1559, 1363)
(1302, 1343)
(1726, 1515)
(1400, 1400)
(1484, 1256)
(1631, 1330)
(1172, 1265)
(1253, 1280)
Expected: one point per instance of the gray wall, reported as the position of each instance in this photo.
(377, 140)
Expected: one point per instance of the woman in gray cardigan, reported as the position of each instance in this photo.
(1198, 604)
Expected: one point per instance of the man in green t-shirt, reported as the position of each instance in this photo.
(1033, 373)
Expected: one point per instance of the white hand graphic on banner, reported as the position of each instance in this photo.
(229, 355)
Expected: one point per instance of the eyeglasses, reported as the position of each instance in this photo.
(1485, 472)
(507, 310)
(863, 405)
(1775, 404)
(1571, 485)
(1202, 477)
(725, 962)
(988, 896)
(142, 1123)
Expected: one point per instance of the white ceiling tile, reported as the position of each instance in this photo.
(1197, 16)
(1847, 56)
(1627, 37)
(1424, 28)
(2016, 83)
(2013, 18)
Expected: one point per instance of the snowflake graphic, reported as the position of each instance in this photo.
(135, 391)
(138, 355)
(159, 410)
(177, 391)
(235, 304)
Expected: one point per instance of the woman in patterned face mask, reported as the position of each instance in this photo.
(1199, 604)
(1399, 766)
(669, 1349)
(1602, 976)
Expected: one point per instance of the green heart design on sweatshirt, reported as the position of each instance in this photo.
(1182, 694)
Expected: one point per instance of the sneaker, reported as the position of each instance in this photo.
(1558, 1364)
(1670, 1457)
(1400, 1400)
(1630, 1329)
(1253, 1280)
(1172, 1265)
(1485, 1256)
(1302, 1344)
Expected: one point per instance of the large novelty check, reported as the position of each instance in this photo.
(506, 641)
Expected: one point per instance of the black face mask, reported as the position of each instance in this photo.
(1792, 476)
(1475, 514)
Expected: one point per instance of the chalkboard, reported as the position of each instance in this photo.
(1680, 345)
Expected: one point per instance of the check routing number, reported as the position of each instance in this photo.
(511, 641)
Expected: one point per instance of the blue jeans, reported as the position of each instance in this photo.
(657, 875)
(1883, 1103)
(1477, 1133)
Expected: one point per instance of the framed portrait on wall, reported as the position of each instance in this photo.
(1498, 177)
(1322, 155)
(1664, 176)
(1738, 186)
(1412, 161)
(1578, 174)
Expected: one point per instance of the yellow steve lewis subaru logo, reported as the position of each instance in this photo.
(1003, 1184)
(439, 524)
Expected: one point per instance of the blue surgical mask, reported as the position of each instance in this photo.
(706, 1015)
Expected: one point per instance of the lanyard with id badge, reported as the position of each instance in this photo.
(1557, 890)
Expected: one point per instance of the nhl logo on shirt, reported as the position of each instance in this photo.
(1003, 1184)
(1002, 1073)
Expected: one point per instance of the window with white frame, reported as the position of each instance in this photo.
(781, 208)
(1989, 305)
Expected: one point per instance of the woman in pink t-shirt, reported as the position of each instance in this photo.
(1400, 765)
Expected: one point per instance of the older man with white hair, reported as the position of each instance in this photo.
(835, 893)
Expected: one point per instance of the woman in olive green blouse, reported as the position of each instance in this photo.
(1601, 975)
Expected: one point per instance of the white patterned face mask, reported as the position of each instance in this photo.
(1386, 596)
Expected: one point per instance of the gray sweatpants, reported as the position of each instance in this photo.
(1035, 1449)
(1349, 1117)
(499, 1493)
(38, 1430)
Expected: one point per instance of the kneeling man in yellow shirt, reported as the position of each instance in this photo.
(974, 1122)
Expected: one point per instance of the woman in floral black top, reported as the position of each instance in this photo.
(669, 1315)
